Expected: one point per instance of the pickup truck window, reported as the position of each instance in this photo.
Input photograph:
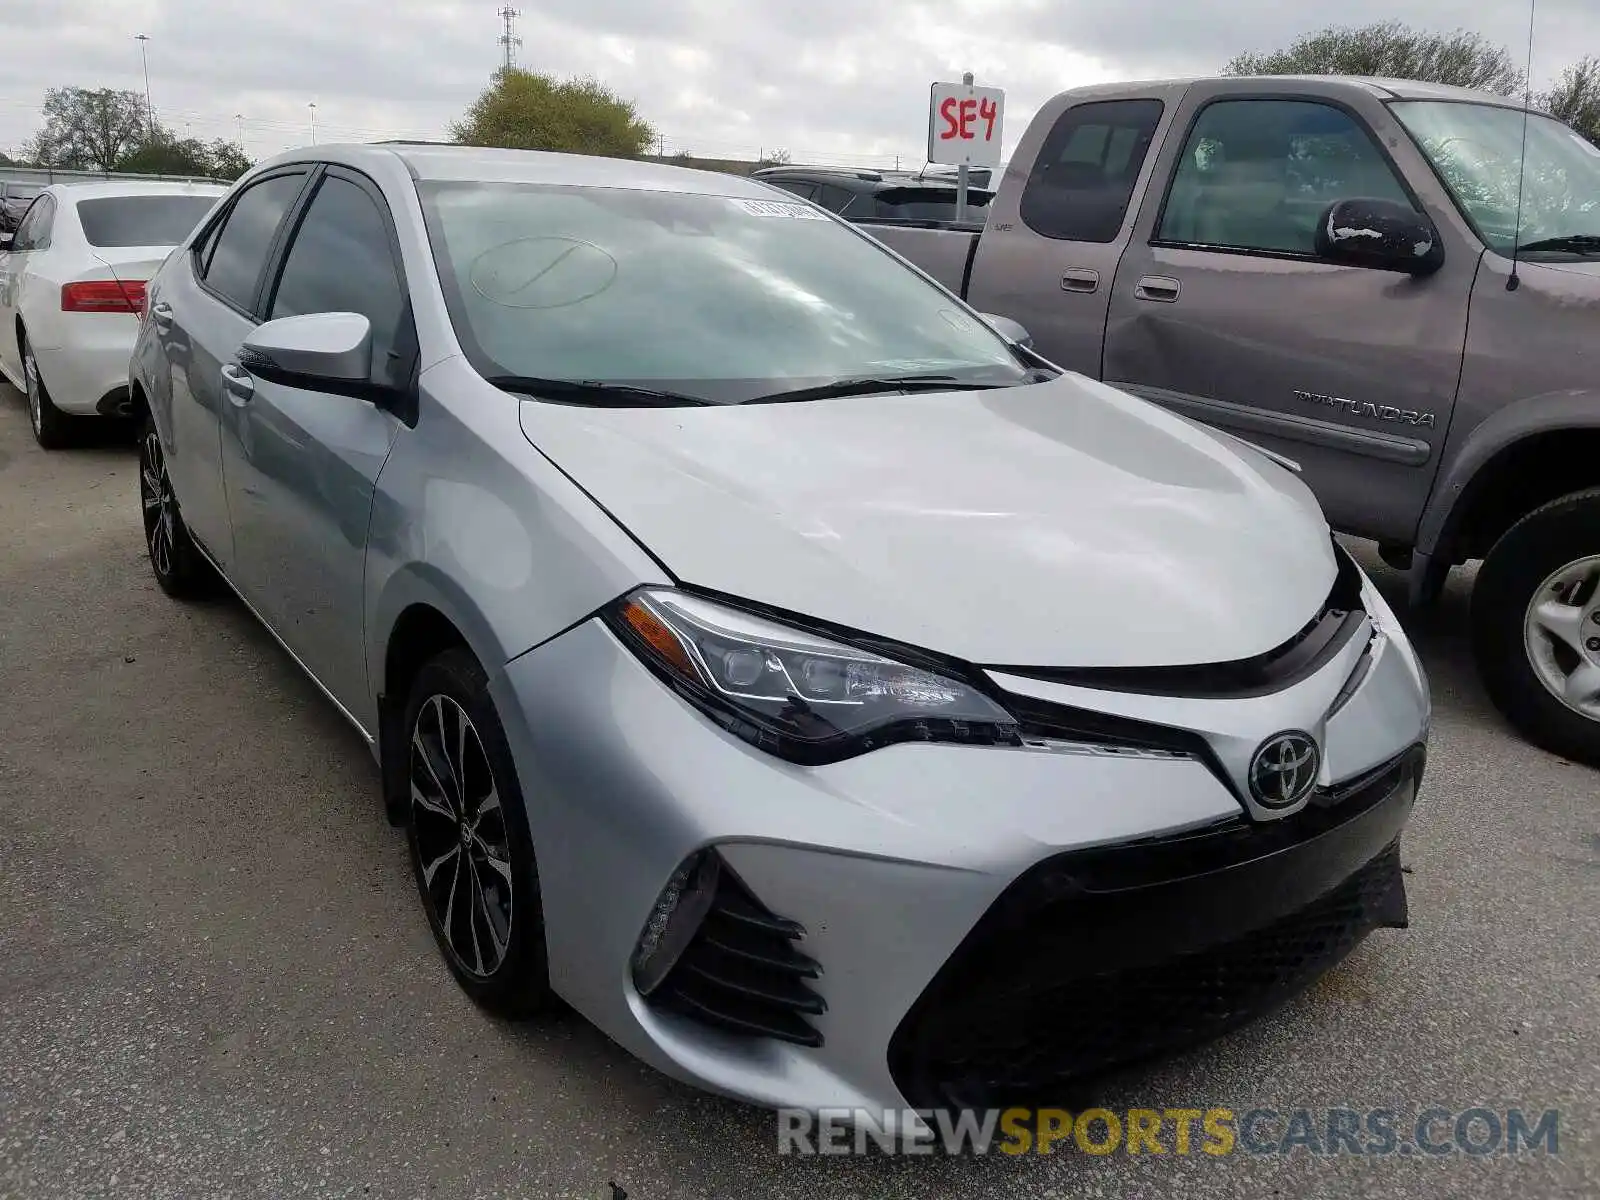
(1082, 180)
(1258, 175)
(1477, 150)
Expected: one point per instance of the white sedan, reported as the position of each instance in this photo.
(72, 281)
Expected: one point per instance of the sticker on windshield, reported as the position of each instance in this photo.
(1588, 146)
(781, 208)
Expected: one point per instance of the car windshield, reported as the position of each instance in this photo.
(1477, 149)
(718, 298)
(141, 220)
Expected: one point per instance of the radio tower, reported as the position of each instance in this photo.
(509, 40)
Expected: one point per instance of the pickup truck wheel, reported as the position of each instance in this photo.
(1536, 625)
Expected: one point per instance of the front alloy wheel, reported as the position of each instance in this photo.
(1561, 633)
(471, 851)
(460, 829)
(1536, 625)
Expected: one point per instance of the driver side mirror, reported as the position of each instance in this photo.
(7, 240)
(1012, 331)
(320, 352)
(1379, 234)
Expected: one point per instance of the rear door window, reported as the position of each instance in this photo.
(113, 221)
(1082, 181)
(239, 249)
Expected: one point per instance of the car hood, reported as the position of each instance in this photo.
(1057, 524)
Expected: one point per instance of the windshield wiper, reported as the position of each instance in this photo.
(1572, 243)
(596, 393)
(863, 385)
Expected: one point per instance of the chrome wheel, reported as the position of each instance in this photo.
(1561, 633)
(30, 379)
(459, 826)
(159, 505)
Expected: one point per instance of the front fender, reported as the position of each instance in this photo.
(423, 583)
(1576, 408)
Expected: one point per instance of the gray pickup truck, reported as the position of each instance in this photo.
(1334, 268)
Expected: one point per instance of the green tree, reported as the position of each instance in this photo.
(1575, 98)
(88, 128)
(1391, 50)
(228, 159)
(164, 154)
(523, 110)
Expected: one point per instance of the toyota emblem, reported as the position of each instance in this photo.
(1284, 770)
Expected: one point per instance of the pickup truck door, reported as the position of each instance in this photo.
(1221, 310)
(1049, 248)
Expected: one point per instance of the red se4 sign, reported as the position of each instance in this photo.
(964, 125)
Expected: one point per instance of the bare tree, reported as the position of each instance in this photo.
(1575, 98)
(88, 128)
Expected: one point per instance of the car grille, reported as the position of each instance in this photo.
(1099, 959)
(743, 972)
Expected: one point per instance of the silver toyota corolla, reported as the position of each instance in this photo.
(766, 653)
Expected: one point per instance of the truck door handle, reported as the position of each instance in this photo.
(161, 317)
(1157, 287)
(237, 383)
(1080, 279)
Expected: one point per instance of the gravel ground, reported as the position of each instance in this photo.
(215, 979)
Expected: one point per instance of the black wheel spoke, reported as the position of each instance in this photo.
(458, 830)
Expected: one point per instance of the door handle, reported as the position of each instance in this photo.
(1157, 287)
(236, 382)
(161, 316)
(1080, 279)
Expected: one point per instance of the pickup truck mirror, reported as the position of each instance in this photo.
(1012, 331)
(1379, 234)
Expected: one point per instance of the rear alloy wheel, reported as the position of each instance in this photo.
(470, 848)
(1536, 625)
(52, 428)
(179, 567)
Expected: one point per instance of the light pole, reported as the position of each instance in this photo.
(313, 107)
(149, 109)
(239, 117)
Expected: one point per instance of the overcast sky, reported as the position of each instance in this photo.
(845, 80)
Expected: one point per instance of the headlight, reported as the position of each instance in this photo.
(794, 694)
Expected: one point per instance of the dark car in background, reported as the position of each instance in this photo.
(905, 197)
(14, 200)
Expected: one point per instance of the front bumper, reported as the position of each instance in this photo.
(954, 898)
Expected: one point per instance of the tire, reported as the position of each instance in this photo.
(1549, 559)
(180, 569)
(52, 428)
(496, 950)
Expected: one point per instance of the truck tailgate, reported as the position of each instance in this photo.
(946, 254)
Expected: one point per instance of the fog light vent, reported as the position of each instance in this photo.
(675, 919)
(713, 952)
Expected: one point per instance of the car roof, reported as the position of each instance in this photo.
(431, 161)
(101, 189)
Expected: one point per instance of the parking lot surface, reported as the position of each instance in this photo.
(215, 978)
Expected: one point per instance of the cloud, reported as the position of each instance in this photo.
(838, 79)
